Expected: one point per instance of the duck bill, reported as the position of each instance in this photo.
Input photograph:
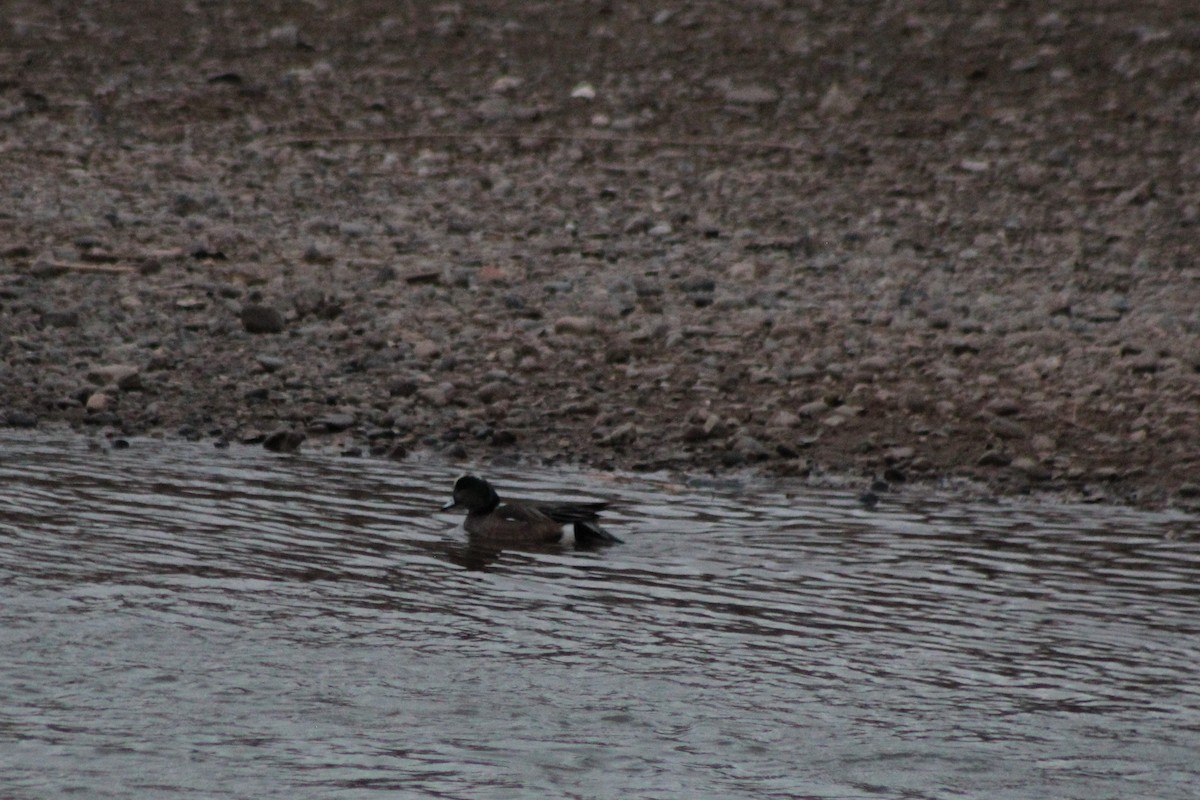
(449, 505)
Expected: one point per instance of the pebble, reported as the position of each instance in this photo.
(125, 377)
(20, 419)
(492, 391)
(270, 363)
(426, 350)
(578, 326)
(97, 402)
(899, 454)
(437, 395)
(836, 102)
(1007, 429)
(1030, 468)
(783, 419)
(1004, 407)
(750, 95)
(61, 319)
(813, 408)
(623, 434)
(332, 423)
(262, 319)
(994, 458)
(750, 449)
(284, 441)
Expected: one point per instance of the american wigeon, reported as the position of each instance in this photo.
(517, 522)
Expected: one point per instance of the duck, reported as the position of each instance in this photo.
(519, 522)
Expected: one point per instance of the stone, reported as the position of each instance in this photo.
(270, 363)
(1007, 429)
(1005, 407)
(426, 350)
(1030, 468)
(492, 391)
(898, 455)
(20, 419)
(837, 102)
(437, 395)
(578, 326)
(284, 441)
(622, 434)
(262, 319)
(125, 377)
(61, 319)
(783, 419)
(97, 402)
(332, 423)
(750, 95)
(813, 409)
(750, 449)
(994, 458)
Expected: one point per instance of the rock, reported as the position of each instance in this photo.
(994, 458)
(61, 319)
(503, 438)
(331, 423)
(20, 419)
(876, 363)
(620, 435)
(437, 395)
(405, 386)
(46, 269)
(898, 455)
(1007, 429)
(1041, 443)
(1005, 407)
(783, 419)
(270, 363)
(262, 319)
(837, 102)
(126, 377)
(284, 441)
(744, 271)
(813, 409)
(750, 448)
(1030, 468)
(98, 402)
(1144, 364)
(578, 326)
(750, 95)
(426, 350)
(492, 391)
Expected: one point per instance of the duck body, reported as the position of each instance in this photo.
(517, 522)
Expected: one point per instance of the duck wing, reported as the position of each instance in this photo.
(571, 512)
(585, 518)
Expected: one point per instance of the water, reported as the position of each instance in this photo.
(179, 622)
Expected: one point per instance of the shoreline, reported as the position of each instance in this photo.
(426, 231)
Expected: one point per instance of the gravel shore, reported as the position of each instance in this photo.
(837, 239)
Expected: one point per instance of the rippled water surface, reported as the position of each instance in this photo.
(178, 621)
